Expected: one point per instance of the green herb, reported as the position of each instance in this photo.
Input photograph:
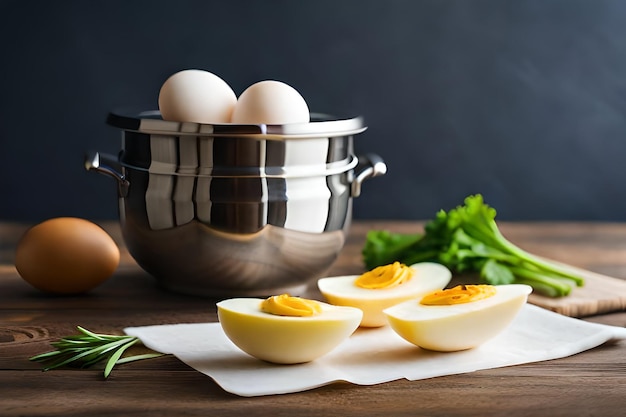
(88, 348)
(467, 239)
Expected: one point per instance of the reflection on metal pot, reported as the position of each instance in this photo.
(236, 210)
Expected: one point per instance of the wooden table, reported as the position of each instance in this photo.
(592, 383)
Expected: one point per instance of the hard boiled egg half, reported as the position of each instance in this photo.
(384, 287)
(458, 318)
(284, 329)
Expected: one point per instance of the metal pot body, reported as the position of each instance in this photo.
(242, 236)
(236, 214)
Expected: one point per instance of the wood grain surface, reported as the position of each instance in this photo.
(592, 383)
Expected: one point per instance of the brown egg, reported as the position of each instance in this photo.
(66, 255)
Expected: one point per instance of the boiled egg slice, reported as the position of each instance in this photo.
(454, 327)
(281, 337)
(342, 291)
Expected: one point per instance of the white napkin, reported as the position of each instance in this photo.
(372, 356)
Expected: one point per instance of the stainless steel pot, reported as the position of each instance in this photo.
(235, 210)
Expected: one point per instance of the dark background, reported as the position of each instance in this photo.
(522, 101)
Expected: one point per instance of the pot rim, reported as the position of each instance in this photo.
(150, 122)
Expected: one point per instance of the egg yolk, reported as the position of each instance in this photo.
(386, 276)
(459, 295)
(285, 305)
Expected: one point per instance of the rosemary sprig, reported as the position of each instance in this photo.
(88, 348)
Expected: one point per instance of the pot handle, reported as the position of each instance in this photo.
(375, 168)
(93, 163)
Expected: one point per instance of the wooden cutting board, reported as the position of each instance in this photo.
(600, 294)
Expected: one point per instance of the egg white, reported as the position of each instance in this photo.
(285, 339)
(428, 277)
(460, 326)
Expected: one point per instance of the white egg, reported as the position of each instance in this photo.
(428, 277)
(448, 328)
(196, 96)
(270, 102)
(285, 339)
